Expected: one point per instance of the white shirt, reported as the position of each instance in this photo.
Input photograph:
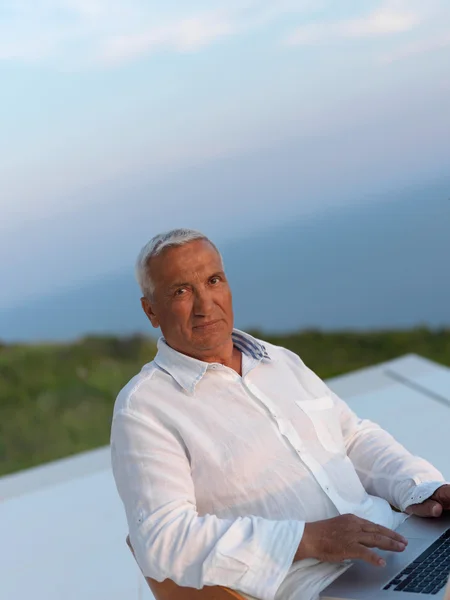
(218, 473)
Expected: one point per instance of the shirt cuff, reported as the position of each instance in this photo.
(419, 492)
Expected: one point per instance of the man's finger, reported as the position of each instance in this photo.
(369, 527)
(429, 508)
(442, 495)
(377, 540)
(371, 557)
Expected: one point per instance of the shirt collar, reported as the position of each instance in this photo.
(188, 371)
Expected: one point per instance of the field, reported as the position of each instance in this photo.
(57, 399)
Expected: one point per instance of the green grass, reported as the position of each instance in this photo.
(57, 399)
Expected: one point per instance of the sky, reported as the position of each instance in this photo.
(121, 119)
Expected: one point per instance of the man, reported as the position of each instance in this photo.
(236, 464)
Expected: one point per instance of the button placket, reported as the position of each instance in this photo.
(284, 427)
(263, 399)
(321, 478)
(291, 436)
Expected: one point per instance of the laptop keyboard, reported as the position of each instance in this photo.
(428, 573)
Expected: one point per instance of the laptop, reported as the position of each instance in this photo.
(422, 570)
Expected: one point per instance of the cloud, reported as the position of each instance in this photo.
(383, 21)
(115, 31)
(416, 48)
(96, 33)
(181, 36)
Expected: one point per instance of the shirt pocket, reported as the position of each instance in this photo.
(322, 412)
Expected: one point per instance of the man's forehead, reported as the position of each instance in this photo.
(194, 270)
(193, 262)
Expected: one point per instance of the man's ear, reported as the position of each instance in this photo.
(147, 308)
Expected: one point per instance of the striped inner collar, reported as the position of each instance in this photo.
(248, 345)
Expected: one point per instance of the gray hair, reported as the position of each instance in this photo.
(174, 237)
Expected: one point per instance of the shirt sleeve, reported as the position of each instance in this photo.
(386, 468)
(170, 539)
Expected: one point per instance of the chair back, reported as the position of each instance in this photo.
(169, 590)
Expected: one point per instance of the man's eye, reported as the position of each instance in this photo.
(179, 291)
(215, 279)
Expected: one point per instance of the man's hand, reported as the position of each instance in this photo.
(348, 536)
(434, 506)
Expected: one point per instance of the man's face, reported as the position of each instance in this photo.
(192, 301)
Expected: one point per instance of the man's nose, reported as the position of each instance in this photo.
(203, 303)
